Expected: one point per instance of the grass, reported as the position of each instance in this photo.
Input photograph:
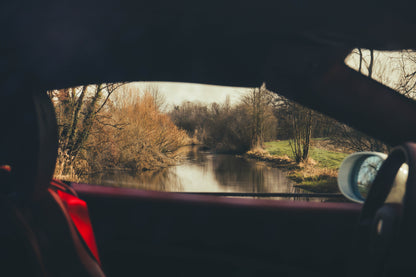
(279, 148)
(324, 158)
(319, 175)
(327, 159)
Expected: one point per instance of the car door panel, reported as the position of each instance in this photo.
(158, 233)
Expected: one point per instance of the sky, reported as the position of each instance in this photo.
(176, 93)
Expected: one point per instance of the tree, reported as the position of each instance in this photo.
(371, 64)
(301, 130)
(360, 66)
(159, 99)
(192, 117)
(357, 141)
(407, 69)
(258, 105)
(78, 109)
(295, 124)
(100, 129)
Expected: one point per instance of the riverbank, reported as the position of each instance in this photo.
(318, 175)
(151, 163)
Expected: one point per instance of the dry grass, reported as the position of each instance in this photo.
(311, 169)
(276, 161)
(315, 179)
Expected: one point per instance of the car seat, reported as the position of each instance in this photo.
(45, 229)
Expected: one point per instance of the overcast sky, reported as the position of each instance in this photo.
(176, 93)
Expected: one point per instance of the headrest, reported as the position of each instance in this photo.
(28, 144)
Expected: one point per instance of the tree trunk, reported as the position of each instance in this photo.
(370, 67)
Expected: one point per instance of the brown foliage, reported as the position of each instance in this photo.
(149, 139)
(125, 132)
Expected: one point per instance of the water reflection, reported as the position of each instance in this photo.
(203, 171)
(162, 180)
(241, 175)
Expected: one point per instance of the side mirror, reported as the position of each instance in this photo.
(357, 173)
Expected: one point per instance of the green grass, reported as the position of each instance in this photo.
(279, 148)
(325, 158)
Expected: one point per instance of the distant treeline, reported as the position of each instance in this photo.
(227, 128)
(261, 116)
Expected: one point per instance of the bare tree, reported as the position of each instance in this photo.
(357, 141)
(378, 66)
(258, 104)
(77, 110)
(301, 131)
(296, 122)
(360, 66)
(407, 69)
(158, 98)
(371, 64)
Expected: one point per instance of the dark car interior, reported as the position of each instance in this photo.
(297, 47)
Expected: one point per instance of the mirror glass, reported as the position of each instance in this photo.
(367, 173)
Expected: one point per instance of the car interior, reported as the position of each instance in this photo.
(51, 228)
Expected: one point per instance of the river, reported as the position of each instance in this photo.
(204, 171)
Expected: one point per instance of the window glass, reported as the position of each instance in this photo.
(182, 137)
(395, 69)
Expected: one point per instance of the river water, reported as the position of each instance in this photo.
(204, 171)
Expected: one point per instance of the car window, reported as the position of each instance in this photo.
(395, 69)
(194, 138)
